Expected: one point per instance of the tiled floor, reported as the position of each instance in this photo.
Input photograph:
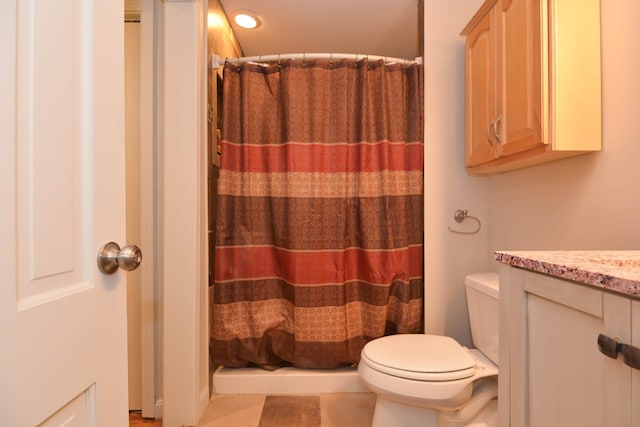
(324, 410)
(258, 410)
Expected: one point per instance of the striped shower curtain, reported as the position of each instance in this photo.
(319, 222)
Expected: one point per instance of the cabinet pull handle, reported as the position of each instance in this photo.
(488, 132)
(611, 347)
(608, 346)
(496, 132)
(631, 355)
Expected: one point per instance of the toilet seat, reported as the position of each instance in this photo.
(419, 357)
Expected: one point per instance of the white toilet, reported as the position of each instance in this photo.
(431, 380)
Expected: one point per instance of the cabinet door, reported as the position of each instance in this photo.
(557, 370)
(480, 91)
(520, 76)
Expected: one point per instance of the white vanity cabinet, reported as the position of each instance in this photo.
(551, 370)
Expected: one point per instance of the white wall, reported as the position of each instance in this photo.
(448, 256)
(592, 201)
(588, 202)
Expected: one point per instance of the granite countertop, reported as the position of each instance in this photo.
(617, 271)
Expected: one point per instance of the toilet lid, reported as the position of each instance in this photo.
(419, 357)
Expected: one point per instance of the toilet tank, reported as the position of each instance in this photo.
(482, 304)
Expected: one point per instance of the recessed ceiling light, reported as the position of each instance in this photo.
(246, 19)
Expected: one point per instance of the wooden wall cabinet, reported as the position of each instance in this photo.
(551, 371)
(532, 83)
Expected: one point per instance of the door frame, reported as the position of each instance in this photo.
(181, 256)
(175, 361)
(149, 233)
(145, 12)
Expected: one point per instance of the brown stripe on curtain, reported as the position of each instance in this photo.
(319, 225)
(304, 214)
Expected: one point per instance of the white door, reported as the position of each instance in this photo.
(63, 359)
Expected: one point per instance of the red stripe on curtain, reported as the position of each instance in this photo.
(318, 267)
(309, 157)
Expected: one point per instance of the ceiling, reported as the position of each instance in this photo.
(374, 27)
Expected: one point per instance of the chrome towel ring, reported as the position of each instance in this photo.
(459, 216)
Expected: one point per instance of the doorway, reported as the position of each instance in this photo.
(143, 325)
(132, 158)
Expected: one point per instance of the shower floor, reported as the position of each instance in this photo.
(286, 381)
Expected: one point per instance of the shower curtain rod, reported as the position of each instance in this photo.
(216, 61)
